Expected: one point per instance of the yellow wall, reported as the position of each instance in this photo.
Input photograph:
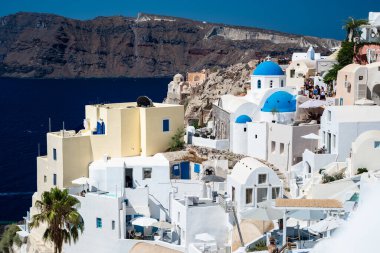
(153, 139)
(77, 156)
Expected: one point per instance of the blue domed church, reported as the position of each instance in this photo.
(267, 74)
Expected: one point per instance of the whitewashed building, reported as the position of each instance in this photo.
(252, 182)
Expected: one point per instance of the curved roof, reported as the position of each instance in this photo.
(243, 169)
(368, 135)
(280, 101)
(231, 103)
(268, 68)
(242, 119)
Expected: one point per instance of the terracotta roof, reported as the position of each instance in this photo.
(309, 203)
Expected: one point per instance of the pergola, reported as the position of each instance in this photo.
(306, 204)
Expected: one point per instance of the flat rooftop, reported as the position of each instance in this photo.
(128, 105)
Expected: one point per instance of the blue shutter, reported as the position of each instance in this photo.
(99, 222)
(165, 125)
(197, 168)
(185, 170)
(175, 170)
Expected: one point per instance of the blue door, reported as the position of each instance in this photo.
(185, 170)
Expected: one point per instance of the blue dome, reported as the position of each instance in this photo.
(280, 101)
(268, 68)
(242, 119)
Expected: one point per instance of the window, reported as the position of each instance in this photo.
(54, 179)
(197, 168)
(341, 101)
(255, 136)
(45, 179)
(282, 147)
(271, 84)
(329, 115)
(245, 129)
(233, 194)
(324, 137)
(333, 140)
(275, 192)
(165, 125)
(273, 146)
(179, 217)
(113, 225)
(262, 194)
(292, 73)
(248, 195)
(282, 83)
(360, 78)
(98, 222)
(262, 179)
(378, 68)
(54, 154)
(377, 144)
(147, 173)
(259, 84)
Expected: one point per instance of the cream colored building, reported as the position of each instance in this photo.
(111, 130)
(357, 82)
(298, 71)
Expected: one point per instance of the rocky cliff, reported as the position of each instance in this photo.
(49, 46)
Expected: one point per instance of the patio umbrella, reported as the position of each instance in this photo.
(307, 214)
(162, 225)
(205, 237)
(325, 225)
(212, 178)
(311, 136)
(313, 103)
(262, 213)
(83, 181)
(143, 221)
(364, 101)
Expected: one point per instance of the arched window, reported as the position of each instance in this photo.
(271, 84)
(259, 84)
(282, 83)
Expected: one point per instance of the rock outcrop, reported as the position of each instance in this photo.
(49, 46)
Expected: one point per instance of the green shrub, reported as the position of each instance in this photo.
(259, 246)
(177, 142)
(9, 238)
(361, 170)
(327, 178)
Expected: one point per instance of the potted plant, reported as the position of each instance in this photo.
(274, 112)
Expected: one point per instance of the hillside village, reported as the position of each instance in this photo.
(253, 157)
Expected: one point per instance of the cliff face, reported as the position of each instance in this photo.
(49, 46)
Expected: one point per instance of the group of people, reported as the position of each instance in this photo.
(314, 91)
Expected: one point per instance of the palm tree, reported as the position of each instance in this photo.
(57, 210)
(351, 26)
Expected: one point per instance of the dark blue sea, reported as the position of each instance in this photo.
(25, 108)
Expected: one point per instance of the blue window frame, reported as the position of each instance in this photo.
(54, 179)
(99, 223)
(165, 125)
(54, 154)
(259, 84)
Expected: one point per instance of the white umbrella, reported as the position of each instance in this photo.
(83, 181)
(325, 225)
(205, 237)
(307, 214)
(162, 225)
(262, 213)
(364, 101)
(143, 221)
(311, 136)
(313, 103)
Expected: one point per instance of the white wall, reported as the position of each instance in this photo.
(257, 140)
